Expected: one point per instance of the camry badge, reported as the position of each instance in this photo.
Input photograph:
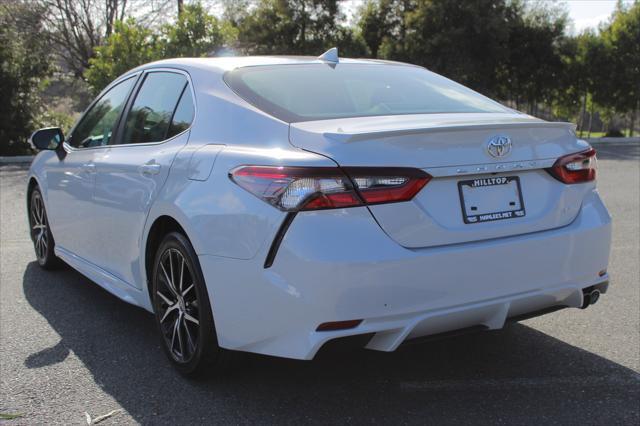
(499, 146)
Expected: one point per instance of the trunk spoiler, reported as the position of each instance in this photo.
(346, 137)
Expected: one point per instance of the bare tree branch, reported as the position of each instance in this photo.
(77, 27)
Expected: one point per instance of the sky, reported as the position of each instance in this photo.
(589, 13)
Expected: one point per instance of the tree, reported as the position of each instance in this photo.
(571, 95)
(24, 64)
(596, 69)
(129, 46)
(507, 49)
(296, 27)
(394, 41)
(533, 65)
(375, 23)
(75, 28)
(235, 11)
(196, 33)
(622, 41)
(464, 41)
(275, 26)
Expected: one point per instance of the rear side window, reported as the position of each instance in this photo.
(305, 92)
(183, 116)
(151, 113)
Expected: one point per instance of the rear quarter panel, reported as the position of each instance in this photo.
(219, 217)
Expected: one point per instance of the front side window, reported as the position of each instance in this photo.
(308, 92)
(98, 124)
(151, 114)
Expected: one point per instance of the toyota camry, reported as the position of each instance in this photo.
(273, 204)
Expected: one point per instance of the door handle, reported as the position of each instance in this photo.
(89, 167)
(150, 169)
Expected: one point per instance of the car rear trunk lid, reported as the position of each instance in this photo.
(473, 195)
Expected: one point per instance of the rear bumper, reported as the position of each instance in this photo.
(339, 265)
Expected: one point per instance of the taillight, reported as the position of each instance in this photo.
(387, 185)
(575, 168)
(315, 188)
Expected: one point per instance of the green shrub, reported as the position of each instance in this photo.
(53, 118)
(24, 65)
(614, 133)
(12, 148)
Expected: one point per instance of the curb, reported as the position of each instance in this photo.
(16, 159)
(613, 140)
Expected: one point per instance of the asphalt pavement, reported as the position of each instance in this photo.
(68, 349)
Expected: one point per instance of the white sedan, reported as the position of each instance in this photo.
(272, 204)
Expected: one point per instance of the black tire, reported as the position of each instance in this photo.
(43, 242)
(176, 309)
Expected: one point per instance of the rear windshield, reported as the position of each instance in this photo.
(306, 92)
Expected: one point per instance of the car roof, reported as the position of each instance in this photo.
(223, 64)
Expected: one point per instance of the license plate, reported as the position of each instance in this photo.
(492, 198)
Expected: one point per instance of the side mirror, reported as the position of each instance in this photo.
(50, 138)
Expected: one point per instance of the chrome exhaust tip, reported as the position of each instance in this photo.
(590, 298)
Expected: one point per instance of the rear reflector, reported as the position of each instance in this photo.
(338, 325)
(575, 168)
(314, 188)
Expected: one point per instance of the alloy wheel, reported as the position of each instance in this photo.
(39, 227)
(177, 305)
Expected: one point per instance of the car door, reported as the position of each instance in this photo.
(71, 174)
(130, 174)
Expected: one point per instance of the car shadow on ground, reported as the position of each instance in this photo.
(516, 375)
